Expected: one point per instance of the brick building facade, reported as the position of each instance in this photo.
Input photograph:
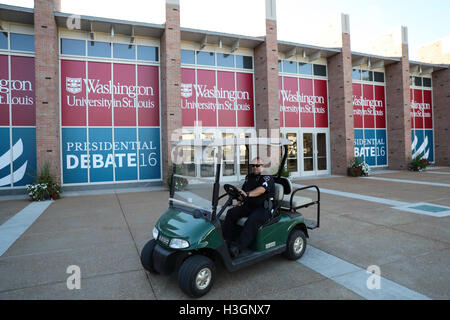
(101, 100)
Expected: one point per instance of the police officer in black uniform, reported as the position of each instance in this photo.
(256, 192)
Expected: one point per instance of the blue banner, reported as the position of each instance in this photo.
(5, 158)
(105, 157)
(371, 146)
(74, 155)
(149, 153)
(24, 164)
(101, 155)
(125, 154)
(422, 144)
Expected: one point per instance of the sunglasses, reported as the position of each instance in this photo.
(256, 165)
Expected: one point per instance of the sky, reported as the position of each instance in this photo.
(299, 21)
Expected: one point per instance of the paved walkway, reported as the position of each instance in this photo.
(103, 234)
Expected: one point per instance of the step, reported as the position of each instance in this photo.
(311, 224)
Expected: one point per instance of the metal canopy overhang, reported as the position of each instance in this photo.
(309, 50)
(120, 26)
(375, 61)
(227, 39)
(427, 68)
(16, 14)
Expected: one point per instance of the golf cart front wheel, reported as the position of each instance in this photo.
(196, 276)
(296, 245)
(147, 256)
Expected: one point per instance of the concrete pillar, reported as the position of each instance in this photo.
(47, 85)
(441, 112)
(267, 106)
(341, 104)
(170, 83)
(398, 109)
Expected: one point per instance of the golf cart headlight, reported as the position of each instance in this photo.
(178, 244)
(155, 233)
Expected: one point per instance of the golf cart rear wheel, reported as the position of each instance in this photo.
(196, 276)
(147, 256)
(296, 245)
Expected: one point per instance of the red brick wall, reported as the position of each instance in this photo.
(398, 112)
(267, 106)
(441, 110)
(47, 88)
(170, 84)
(341, 108)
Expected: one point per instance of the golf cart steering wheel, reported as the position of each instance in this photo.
(232, 191)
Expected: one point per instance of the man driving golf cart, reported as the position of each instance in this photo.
(254, 204)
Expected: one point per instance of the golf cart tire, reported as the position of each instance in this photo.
(147, 256)
(293, 251)
(187, 275)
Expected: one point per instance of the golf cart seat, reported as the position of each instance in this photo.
(278, 196)
(285, 202)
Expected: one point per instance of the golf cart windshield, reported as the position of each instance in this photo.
(199, 165)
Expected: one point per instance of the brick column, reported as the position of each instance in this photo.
(441, 112)
(341, 104)
(47, 85)
(398, 104)
(267, 105)
(170, 83)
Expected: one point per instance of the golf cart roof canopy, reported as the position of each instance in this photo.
(233, 141)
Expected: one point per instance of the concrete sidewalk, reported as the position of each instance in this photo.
(103, 234)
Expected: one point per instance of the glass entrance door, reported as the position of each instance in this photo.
(315, 153)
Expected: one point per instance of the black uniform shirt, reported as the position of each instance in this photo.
(253, 181)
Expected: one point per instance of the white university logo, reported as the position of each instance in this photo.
(186, 90)
(422, 149)
(5, 160)
(73, 85)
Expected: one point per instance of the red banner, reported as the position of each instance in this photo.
(306, 98)
(357, 106)
(321, 103)
(206, 98)
(280, 99)
(4, 91)
(73, 93)
(188, 97)
(417, 109)
(125, 94)
(244, 94)
(428, 109)
(380, 107)
(368, 106)
(226, 103)
(100, 98)
(289, 95)
(22, 91)
(148, 77)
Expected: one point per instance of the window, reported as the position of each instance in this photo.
(99, 49)
(427, 82)
(205, 58)
(289, 66)
(366, 75)
(418, 81)
(22, 42)
(124, 51)
(320, 70)
(187, 56)
(148, 53)
(378, 76)
(4, 40)
(356, 74)
(305, 68)
(73, 47)
(280, 66)
(225, 60)
(244, 62)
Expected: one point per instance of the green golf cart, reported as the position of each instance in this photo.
(187, 238)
